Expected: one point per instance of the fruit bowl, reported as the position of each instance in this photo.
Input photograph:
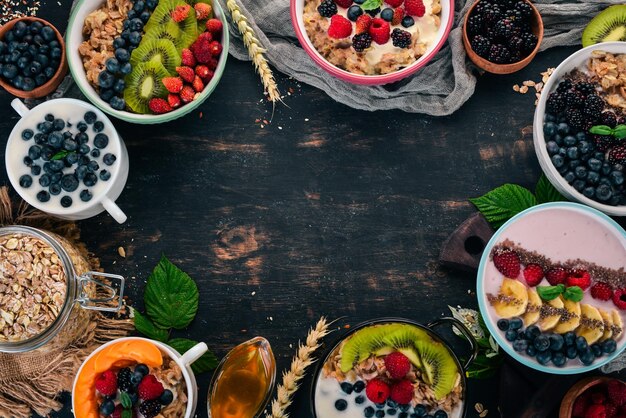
(439, 37)
(584, 388)
(548, 294)
(74, 39)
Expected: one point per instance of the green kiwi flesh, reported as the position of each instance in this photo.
(360, 345)
(609, 25)
(162, 15)
(144, 83)
(438, 366)
(159, 50)
(172, 32)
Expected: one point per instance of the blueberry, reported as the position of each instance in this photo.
(56, 165)
(387, 14)
(66, 201)
(570, 141)
(28, 161)
(341, 404)
(596, 349)
(373, 12)
(380, 413)
(82, 138)
(420, 410)
(573, 153)
(98, 126)
(134, 397)
(569, 177)
(134, 38)
(520, 346)
(581, 172)
(69, 182)
(95, 153)
(23, 63)
(70, 145)
(603, 192)
(85, 195)
(55, 139)
(84, 149)
(34, 152)
(617, 178)
(569, 338)
(47, 33)
(354, 12)
(441, 414)
(549, 129)
(571, 352)
(511, 335)
(369, 412)
(90, 117)
(145, 16)
(581, 344)
(556, 342)
(9, 71)
(119, 43)
(606, 168)
(131, 14)
(106, 80)
(359, 386)
(35, 170)
(71, 158)
(562, 128)
(593, 178)
(544, 357)
(594, 164)
(552, 147)
(589, 192)
(40, 80)
(359, 399)
(503, 324)
(559, 359)
(43, 196)
(26, 181)
(107, 408)
(542, 343)
(515, 323)
(391, 403)
(136, 378)
(135, 24)
(19, 29)
(380, 405)
(113, 66)
(151, 4)
(122, 54)
(391, 411)
(101, 140)
(90, 179)
(407, 21)
(403, 415)
(532, 332)
(116, 102)
(346, 387)
(587, 357)
(126, 68)
(609, 346)
(27, 134)
(49, 72)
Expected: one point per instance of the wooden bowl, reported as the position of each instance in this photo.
(567, 404)
(536, 26)
(56, 79)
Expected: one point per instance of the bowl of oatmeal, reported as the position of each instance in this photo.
(147, 378)
(372, 42)
(392, 367)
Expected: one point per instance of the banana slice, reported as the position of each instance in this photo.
(608, 324)
(571, 320)
(512, 299)
(618, 325)
(550, 316)
(592, 325)
(533, 310)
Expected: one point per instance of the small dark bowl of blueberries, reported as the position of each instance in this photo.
(32, 57)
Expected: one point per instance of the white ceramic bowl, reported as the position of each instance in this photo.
(74, 37)
(576, 60)
(183, 361)
(297, 20)
(104, 193)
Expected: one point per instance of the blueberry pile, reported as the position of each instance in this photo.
(548, 347)
(30, 55)
(62, 158)
(500, 30)
(591, 164)
(111, 80)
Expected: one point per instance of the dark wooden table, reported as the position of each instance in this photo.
(326, 211)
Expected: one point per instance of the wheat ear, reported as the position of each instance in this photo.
(255, 51)
(302, 360)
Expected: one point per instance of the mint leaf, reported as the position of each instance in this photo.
(125, 400)
(550, 292)
(601, 130)
(504, 202)
(171, 296)
(59, 155)
(127, 413)
(619, 132)
(207, 362)
(371, 4)
(573, 293)
(147, 328)
(545, 191)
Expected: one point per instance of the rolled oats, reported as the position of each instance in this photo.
(609, 70)
(172, 377)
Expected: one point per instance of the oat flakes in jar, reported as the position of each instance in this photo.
(47, 291)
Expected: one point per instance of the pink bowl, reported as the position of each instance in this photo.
(447, 19)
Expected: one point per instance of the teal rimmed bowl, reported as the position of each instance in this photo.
(603, 224)
(74, 37)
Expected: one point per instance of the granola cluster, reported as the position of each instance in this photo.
(172, 378)
(609, 70)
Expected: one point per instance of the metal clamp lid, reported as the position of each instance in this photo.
(103, 303)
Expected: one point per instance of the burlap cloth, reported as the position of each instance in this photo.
(32, 382)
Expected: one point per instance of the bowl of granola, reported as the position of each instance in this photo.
(392, 365)
(147, 61)
(147, 378)
(372, 42)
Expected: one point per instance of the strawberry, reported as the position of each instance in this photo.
(186, 73)
(212, 64)
(197, 84)
(204, 73)
(340, 27)
(402, 392)
(598, 398)
(398, 14)
(397, 365)
(188, 59)
(173, 84)
(208, 36)
(215, 48)
(507, 262)
(580, 278)
(214, 26)
(187, 94)
(414, 8)
(533, 274)
(203, 11)
(106, 383)
(173, 100)
(379, 30)
(557, 275)
(159, 106)
(344, 3)
(363, 23)
(181, 13)
(619, 298)
(617, 392)
(580, 406)
(150, 388)
(377, 390)
(595, 411)
(601, 291)
(201, 50)
(394, 3)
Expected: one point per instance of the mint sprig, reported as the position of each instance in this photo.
(550, 292)
(573, 293)
(618, 132)
(371, 4)
(59, 155)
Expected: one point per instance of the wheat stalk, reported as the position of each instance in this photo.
(302, 360)
(255, 51)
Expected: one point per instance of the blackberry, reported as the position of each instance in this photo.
(530, 40)
(401, 38)
(150, 409)
(475, 24)
(499, 54)
(573, 98)
(556, 102)
(503, 29)
(575, 118)
(123, 380)
(524, 9)
(608, 118)
(603, 142)
(594, 105)
(514, 16)
(617, 154)
(328, 8)
(564, 86)
(373, 12)
(481, 45)
(515, 56)
(515, 43)
(585, 88)
(492, 14)
(361, 41)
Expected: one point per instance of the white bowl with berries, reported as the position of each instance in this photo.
(162, 59)
(372, 42)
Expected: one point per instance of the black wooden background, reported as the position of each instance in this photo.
(325, 211)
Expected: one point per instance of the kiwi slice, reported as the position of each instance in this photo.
(609, 25)
(162, 15)
(404, 340)
(144, 83)
(171, 32)
(363, 343)
(160, 50)
(439, 368)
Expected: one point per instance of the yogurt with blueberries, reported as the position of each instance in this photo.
(65, 158)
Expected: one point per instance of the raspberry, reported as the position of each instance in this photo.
(215, 48)
(379, 30)
(556, 275)
(186, 73)
(394, 3)
(481, 45)
(340, 27)
(106, 383)
(327, 8)
(344, 3)
(580, 406)
(377, 391)
(595, 411)
(150, 409)
(201, 49)
(159, 106)
(203, 10)
(173, 100)
(363, 23)
(188, 59)
(214, 26)
(187, 94)
(617, 154)
(398, 15)
(598, 398)
(150, 388)
(414, 8)
(580, 278)
(397, 364)
(181, 13)
(619, 298)
(401, 38)
(361, 41)
(601, 291)
(617, 392)
(507, 262)
(123, 379)
(611, 410)
(402, 392)
(173, 84)
(533, 274)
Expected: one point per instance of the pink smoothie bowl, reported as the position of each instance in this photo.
(447, 19)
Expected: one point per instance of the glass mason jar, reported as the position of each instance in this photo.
(72, 319)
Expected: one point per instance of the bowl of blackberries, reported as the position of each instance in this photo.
(32, 57)
(502, 36)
